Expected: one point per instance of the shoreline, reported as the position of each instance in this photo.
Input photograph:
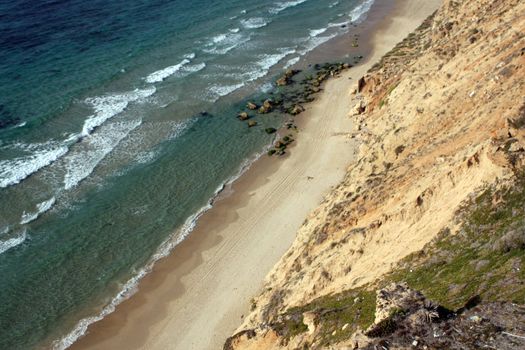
(198, 286)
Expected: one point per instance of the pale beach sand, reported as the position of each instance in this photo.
(195, 298)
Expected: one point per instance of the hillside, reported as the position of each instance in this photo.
(423, 243)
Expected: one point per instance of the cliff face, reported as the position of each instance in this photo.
(439, 119)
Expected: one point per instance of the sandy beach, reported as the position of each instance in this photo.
(196, 297)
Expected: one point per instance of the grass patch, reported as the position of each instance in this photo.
(392, 88)
(354, 308)
(486, 259)
(383, 102)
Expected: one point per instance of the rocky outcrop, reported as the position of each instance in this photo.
(243, 116)
(297, 109)
(359, 108)
(412, 321)
(280, 145)
(286, 79)
(266, 107)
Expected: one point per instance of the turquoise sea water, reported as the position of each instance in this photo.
(105, 158)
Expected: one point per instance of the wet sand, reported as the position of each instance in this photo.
(195, 298)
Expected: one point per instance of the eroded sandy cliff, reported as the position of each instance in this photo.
(439, 119)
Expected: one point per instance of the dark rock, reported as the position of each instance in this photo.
(399, 149)
(243, 116)
(270, 130)
(296, 110)
(309, 99)
(286, 79)
(290, 125)
(360, 84)
(266, 107)
(280, 144)
(291, 72)
(420, 323)
(322, 77)
(278, 101)
(229, 344)
(252, 123)
(282, 81)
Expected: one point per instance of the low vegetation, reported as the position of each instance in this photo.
(484, 262)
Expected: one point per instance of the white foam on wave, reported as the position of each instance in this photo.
(268, 61)
(316, 32)
(145, 146)
(109, 106)
(218, 38)
(333, 4)
(291, 62)
(254, 23)
(284, 5)
(359, 12)
(224, 43)
(235, 30)
(222, 90)
(146, 157)
(258, 70)
(13, 171)
(312, 43)
(194, 68)
(40, 209)
(162, 74)
(315, 40)
(13, 242)
(339, 24)
(130, 287)
(81, 164)
(221, 51)
(267, 87)
(177, 128)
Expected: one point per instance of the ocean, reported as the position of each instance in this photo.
(118, 129)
